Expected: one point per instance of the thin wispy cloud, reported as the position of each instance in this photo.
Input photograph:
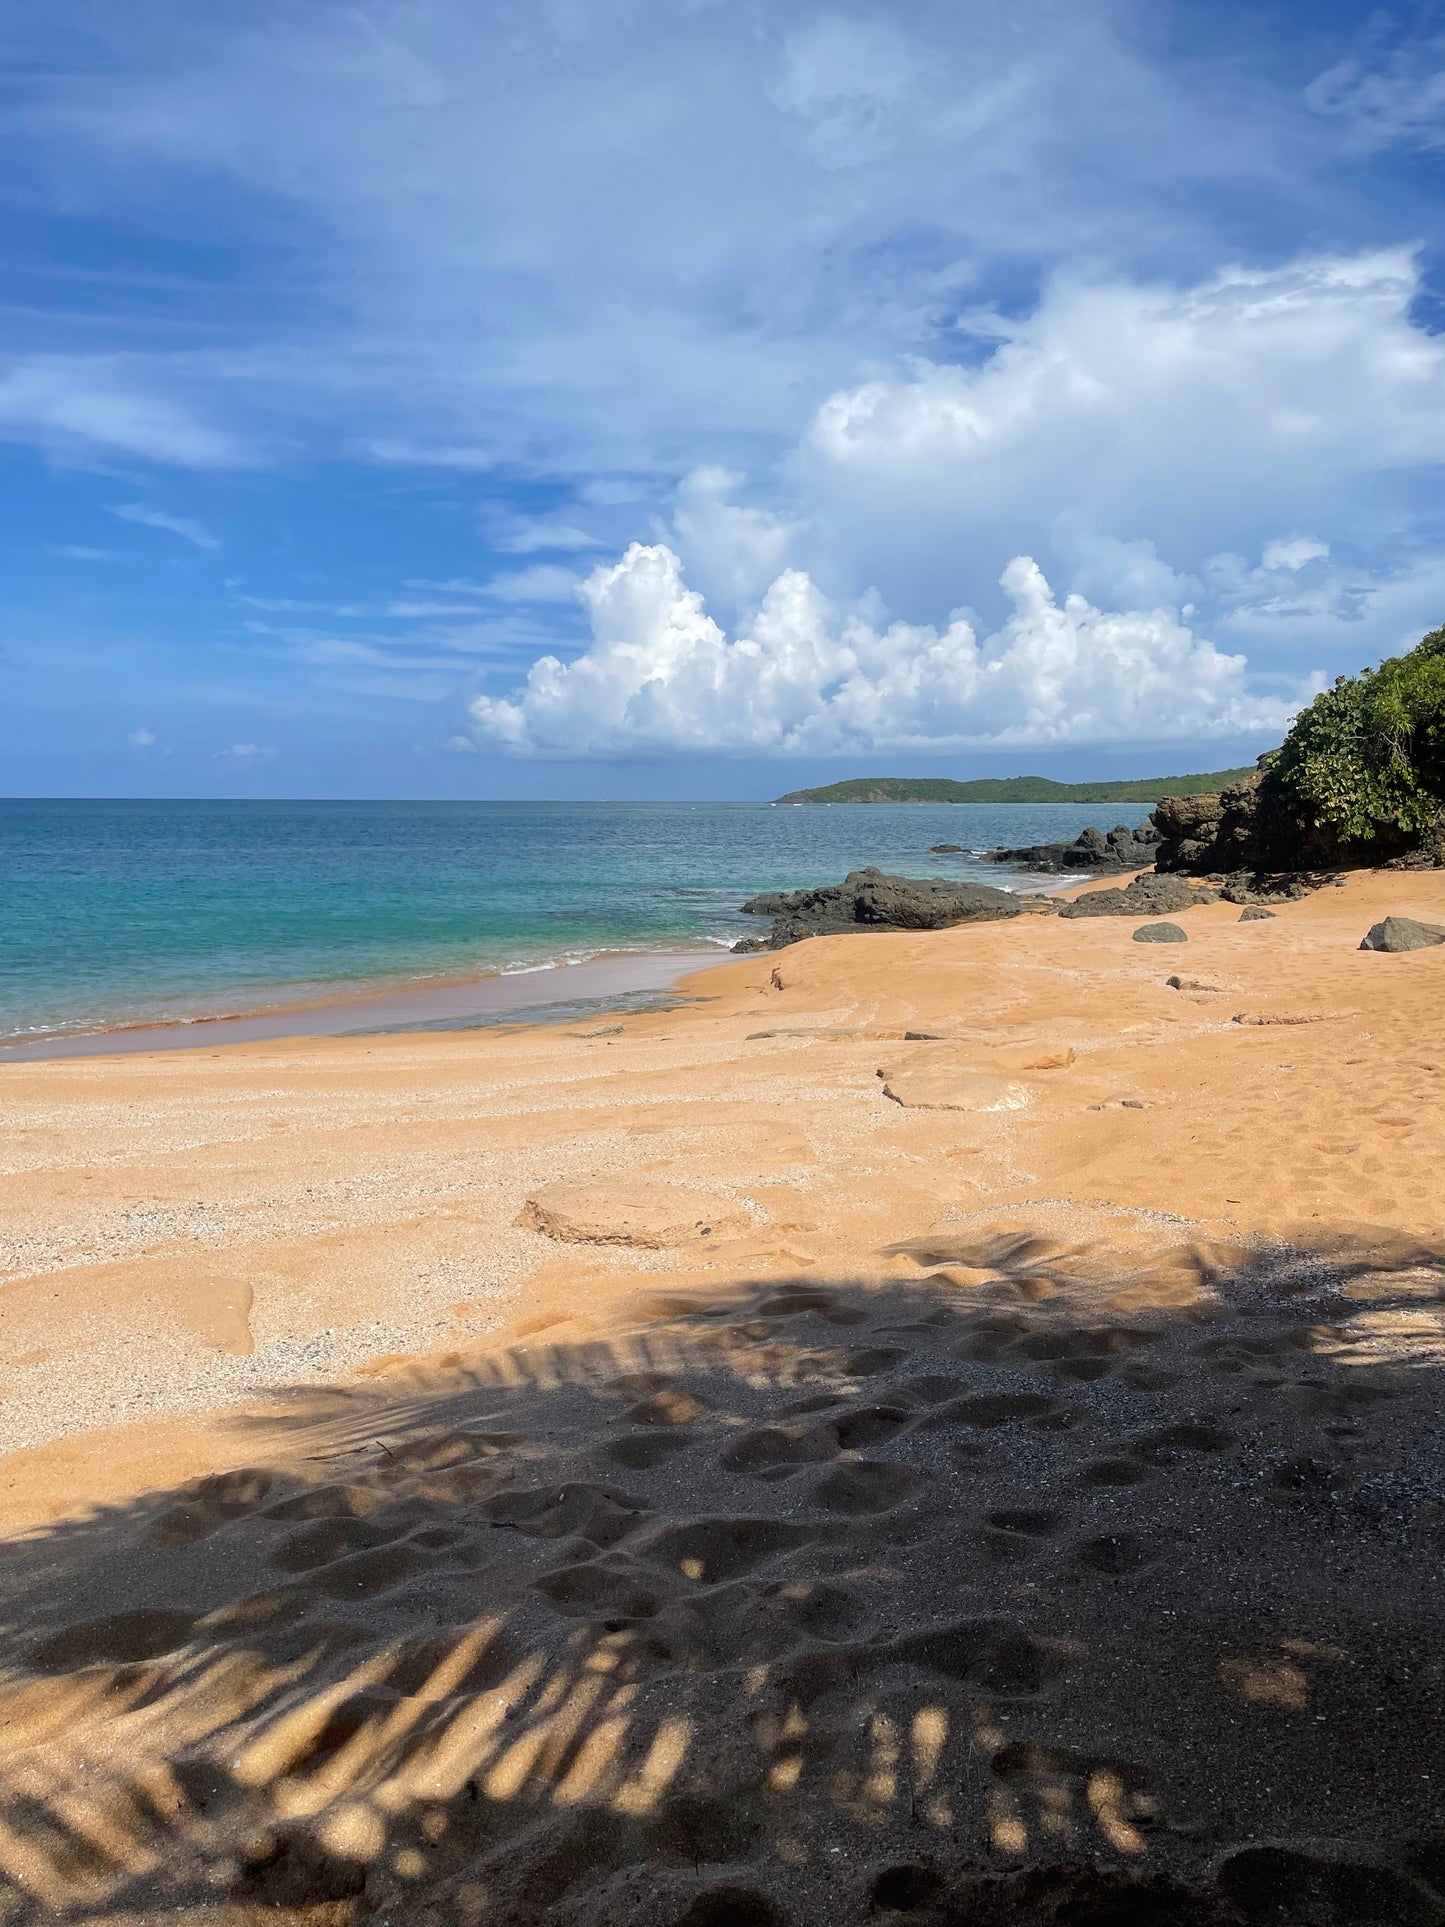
(537, 538)
(154, 518)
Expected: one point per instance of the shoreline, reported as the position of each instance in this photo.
(399, 1002)
(405, 1005)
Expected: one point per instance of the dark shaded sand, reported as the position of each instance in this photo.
(775, 1604)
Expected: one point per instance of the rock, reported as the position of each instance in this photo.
(1176, 982)
(945, 849)
(1254, 914)
(1145, 896)
(1122, 849)
(651, 1215)
(1403, 933)
(1254, 827)
(1253, 887)
(1160, 933)
(869, 900)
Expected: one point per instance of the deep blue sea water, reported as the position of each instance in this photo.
(132, 912)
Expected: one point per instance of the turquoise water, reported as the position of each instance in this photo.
(133, 912)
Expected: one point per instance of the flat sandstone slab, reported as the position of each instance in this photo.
(928, 1085)
(651, 1215)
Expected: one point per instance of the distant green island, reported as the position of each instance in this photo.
(1013, 789)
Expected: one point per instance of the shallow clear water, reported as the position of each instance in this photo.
(129, 912)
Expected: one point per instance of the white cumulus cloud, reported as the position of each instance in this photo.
(1188, 418)
(662, 677)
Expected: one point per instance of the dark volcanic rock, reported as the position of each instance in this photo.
(1254, 914)
(1160, 933)
(869, 900)
(1254, 888)
(945, 849)
(1121, 849)
(1253, 828)
(1145, 896)
(1403, 933)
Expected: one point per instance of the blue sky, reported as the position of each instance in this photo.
(697, 397)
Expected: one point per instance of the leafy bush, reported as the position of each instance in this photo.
(1369, 754)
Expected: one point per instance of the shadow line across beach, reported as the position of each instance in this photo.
(1041, 1585)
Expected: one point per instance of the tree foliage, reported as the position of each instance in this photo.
(1369, 754)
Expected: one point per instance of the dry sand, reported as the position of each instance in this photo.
(747, 1465)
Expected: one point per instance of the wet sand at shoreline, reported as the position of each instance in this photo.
(746, 1463)
(472, 1002)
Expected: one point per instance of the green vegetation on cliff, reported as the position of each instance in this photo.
(1368, 755)
(1012, 789)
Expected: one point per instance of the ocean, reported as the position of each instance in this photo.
(136, 912)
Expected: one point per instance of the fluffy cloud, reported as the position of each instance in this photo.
(1191, 419)
(661, 677)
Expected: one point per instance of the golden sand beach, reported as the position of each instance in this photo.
(946, 1427)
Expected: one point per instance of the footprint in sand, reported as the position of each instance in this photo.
(325, 1541)
(870, 1485)
(995, 1655)
(669, 1407)
(715, 1549)
(577, 1509)
(730, 1907)
(1117, 1554)
(869, 1362)
(365, 1574)
(326, 1502)
(1281, 1883)
(1108, 1472)
(991, 1409)
(1173, 1443)
(641, 1451)
(208, 1503)
(612, 1590)
(123, 1637)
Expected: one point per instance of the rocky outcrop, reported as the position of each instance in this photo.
(1403, 933)
(869, 900)
(1146, 896)
(1121, 849)
(1251, 834)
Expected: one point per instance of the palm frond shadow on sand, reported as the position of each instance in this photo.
(1042, 1586)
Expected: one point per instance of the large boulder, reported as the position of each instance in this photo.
(870, 900)
(1160, 933)
(1146, 896)
(1403, 933)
